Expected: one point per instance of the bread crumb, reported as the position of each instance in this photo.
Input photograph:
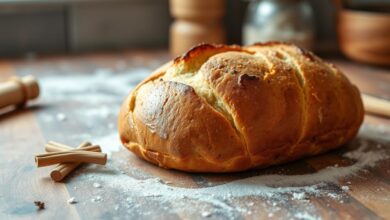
(206, 214)
(305, 215)
(97, 199)
(298, 196)
(40, 205)
(97, 185)
(61, 117)
(72, 200)
(333, 195)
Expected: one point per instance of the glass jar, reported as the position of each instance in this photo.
(279, 20)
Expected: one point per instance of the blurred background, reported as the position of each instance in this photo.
(31, 27)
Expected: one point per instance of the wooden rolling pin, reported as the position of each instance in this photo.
(16, 91)
(376, 105)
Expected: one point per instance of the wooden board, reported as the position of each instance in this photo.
(130, 188)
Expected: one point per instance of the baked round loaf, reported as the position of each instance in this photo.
(224, 108)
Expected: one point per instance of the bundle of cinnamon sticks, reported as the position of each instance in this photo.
(69, 158)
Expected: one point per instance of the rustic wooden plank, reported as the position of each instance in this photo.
(370, 79)
(372, 186)
(357, 184)
(373, 192)
(21, 183)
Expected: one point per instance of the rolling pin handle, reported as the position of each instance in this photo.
(17, 91)
(376, 105)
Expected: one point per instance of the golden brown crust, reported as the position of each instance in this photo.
(224, 108)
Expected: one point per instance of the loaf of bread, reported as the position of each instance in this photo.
(224, 108)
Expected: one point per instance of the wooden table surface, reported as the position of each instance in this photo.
(129, 188)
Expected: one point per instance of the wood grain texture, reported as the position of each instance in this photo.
(20, 183)
(23, 134)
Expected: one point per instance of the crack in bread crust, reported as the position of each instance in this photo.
(298, 72)
(301, 80)
(203, 89)
(229, 116)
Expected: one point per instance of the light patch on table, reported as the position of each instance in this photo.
(109, 144)
(100, 86)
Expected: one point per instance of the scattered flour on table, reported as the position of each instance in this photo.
(97, 199)
(305, 216)
(377, 132)
(299, 196)
(109, 144)
(97, 87)
(223, 198)
(101, 94)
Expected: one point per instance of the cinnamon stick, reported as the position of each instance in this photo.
(53, 146)
(75, 156)
(86, 147)
(69, 158)
(62, 169)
